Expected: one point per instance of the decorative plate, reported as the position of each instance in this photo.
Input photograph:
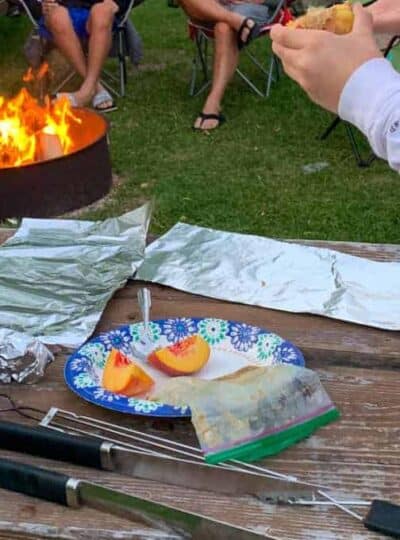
(233, 346)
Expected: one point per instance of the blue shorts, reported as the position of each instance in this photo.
(260, 13)
(79, 18)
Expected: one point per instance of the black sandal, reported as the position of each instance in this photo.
(209, 116)
(252, 32)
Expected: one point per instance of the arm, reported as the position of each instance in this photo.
(347, 75)
(371, 101)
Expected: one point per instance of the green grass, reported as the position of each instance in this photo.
(247, 176)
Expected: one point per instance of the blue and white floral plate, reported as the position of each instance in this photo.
(233, 346)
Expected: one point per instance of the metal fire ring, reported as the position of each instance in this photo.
(53, 187)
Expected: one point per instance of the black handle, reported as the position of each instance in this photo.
(384, 517)
(33, 481)
(44, 442)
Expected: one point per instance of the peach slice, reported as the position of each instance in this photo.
(122, 376)
(183, 358)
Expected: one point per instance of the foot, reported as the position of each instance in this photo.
(208, 121)
(103, 101)
(76, 99)
(247, 31)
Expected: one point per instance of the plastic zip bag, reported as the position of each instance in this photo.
(254, 413)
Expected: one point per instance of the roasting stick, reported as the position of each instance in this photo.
(174, 447)
(171, 446)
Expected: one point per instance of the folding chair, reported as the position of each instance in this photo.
(361, 162)
(269, 66)
(115, 84)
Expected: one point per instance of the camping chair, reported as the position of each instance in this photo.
(269, 66)
(361, 162)
(120, 48)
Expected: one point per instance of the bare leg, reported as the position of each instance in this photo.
(60, 25)
(213, 11)
(100, 32)
(226, 56)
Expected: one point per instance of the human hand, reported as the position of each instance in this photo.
(321, 62)
(386, 16)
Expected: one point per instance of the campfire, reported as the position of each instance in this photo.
(30, 131)
(53, 158)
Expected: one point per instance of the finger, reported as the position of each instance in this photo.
(292, 38)
(363, 20)
(289, 57)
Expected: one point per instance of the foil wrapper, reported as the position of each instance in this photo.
(57, 275)
(23, 359)
(274, 274)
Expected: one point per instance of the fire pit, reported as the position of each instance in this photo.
(53, 161)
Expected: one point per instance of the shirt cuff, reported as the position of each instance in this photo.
(366, 97)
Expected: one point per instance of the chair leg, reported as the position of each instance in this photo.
(200, 62)
(333, 125)
(354, 146)
(249, 83)
(273, 66)
(122, 62)
(360, 161)
(269, 72)
(64, 82)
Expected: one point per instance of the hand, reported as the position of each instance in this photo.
(386, 16)
(47, 6)
(322, 62)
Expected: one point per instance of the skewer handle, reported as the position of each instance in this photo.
(384, 517)
(44, 442)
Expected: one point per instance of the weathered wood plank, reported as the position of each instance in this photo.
(19, 531)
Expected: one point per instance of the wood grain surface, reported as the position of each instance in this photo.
(357, 457)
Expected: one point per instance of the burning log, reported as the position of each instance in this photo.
(32, 132)
(49, 144)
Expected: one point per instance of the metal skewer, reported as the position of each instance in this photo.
(163, 447)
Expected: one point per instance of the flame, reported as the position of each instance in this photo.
(23, 119)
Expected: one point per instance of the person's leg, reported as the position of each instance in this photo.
(99, 28)
(226, 55)
(60, 25)
(212, 11)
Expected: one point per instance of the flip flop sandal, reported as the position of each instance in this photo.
(102, 97)
(210, 116)
(252, 32)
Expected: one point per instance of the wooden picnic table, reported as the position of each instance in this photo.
(358, 455)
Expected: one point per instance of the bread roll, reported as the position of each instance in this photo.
(337, 19)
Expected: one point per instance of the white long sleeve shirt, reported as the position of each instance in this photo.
(371, 101)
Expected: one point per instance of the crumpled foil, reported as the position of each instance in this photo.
(22, 357)
(57, 275)
(275, 274)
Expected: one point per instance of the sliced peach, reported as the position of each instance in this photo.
(122, 376)
(183, 358)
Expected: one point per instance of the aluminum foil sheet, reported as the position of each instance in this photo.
(23, 359)
(57, 275)
(274, 274)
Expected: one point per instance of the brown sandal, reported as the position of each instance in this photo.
(253, 29)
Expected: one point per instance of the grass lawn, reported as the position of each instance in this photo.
(247, 176)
